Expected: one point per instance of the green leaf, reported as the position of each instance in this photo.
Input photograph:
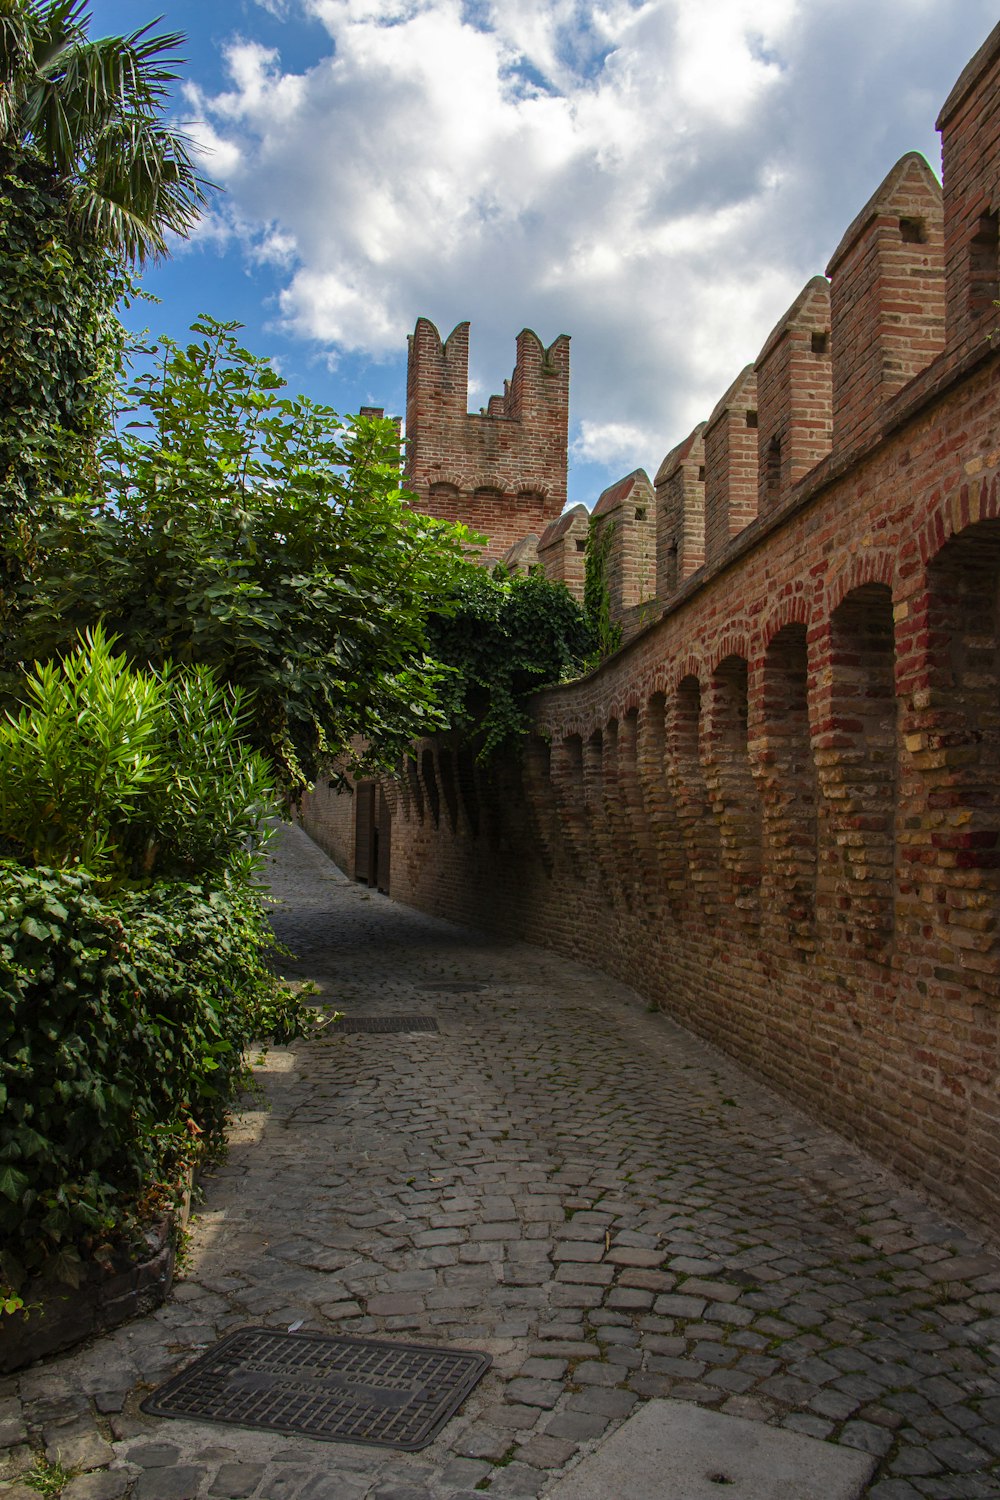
(36, 930)
(12, 1182)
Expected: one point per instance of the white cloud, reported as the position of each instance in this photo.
(657, 178)
(607, 442)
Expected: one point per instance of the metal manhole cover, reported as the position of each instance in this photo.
(454, 987)
(342, 1390)
(385, 1023)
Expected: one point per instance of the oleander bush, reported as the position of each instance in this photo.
(129, 773)
(134, 949)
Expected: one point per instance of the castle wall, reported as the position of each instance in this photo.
(776, 811)
(624, 523)
(731, 486)
(680, 514)
(887, 298)
(562, 550)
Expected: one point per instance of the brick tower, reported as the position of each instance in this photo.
(501, 470)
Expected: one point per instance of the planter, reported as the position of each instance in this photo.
(60, 1316)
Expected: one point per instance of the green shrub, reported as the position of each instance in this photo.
(258, 534)
(504, 638)
(128, 773)
(122, 1038)
(596, 598)
(128, 1001)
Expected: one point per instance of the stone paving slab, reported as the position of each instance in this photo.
(675, 1450)
(612, 1210)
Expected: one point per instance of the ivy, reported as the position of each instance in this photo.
(61, 345)
(123, 1033)
(504, 638)
(596, 597)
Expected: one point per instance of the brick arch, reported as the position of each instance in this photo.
(655, 829)
(976, 501)
(729, 778)
(631, 701)
(530, 490)
(685, 708)
(393, 793)
(492, 482)
(953, 741)
(857, 770)
(873, 565)
(620, 806)
(786, 771)
(685, 667)
(797, 609)
(732, 643)
(575, 726)
(454, 480)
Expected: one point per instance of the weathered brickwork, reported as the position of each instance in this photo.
(887, 298)
(502, 470)
(624, 519)
(776, 810)
(731, 481)
(562, 549)
(522, 557)
(680, 513)
(794, 396)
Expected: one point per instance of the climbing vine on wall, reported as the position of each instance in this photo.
(596, 597)
(61, 347)
(60, 342)
(506, 637)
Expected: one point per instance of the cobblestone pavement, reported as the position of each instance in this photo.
(561, 1178)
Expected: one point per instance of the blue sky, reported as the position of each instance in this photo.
(656, 178)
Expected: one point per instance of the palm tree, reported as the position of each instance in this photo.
(91, 111)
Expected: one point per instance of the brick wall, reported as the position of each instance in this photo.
(680, 514)
(625, 514)
(794, 396)
(970, 148)
(776, 811)
(522, 557)
(562, 549)
(731, 480)
(887, 298)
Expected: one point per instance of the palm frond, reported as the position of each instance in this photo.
(93, 110)
(141, 183)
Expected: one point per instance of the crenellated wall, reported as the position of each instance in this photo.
(624, 526)
(562, 550)
(776, 811)
(731, 464)
(886, 298)
(502, 470)
(680, 513)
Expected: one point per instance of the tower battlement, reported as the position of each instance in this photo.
(501, 470)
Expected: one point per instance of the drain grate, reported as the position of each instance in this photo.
(339, 1389)
(386, 1023)
(454, 987)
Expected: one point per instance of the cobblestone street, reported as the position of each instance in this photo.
(562, 1179)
